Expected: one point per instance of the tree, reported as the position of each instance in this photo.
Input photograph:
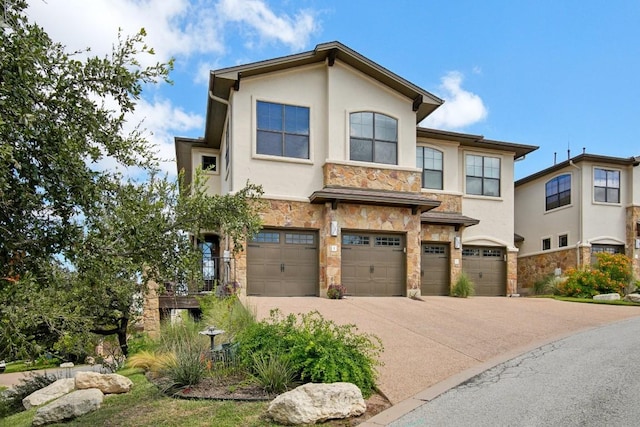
(60, 113)
(138, 232)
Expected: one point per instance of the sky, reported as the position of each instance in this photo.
(561, 75)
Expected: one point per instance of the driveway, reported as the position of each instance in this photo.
(439, 342)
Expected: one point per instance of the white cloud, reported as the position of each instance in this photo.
(292, 31)
(461, 108)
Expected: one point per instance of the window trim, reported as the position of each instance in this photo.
(466, 176)
(441, 170)
(216, 169)
(256, 130)
(566, 236)
(545, 240)
(606, 187)
(558, 193)
(373, 139)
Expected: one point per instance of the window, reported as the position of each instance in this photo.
(283, 130)
(388, 241)
(209, 163)
(558, 192)
(483, 175)
(266, 237)
(373, 138)
(563, 240)
(430, 161)
(606, 186)
(298, 239)
(355, 240)
(546, 244)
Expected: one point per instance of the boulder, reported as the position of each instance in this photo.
(49, 393)
(633, 297)
(311, 403)
(607, 297)
(67, 365)
(107, 383)
(68, 407)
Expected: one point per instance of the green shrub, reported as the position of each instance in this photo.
(318, 349)
(618, 270)
(612, 273)
(190, 351)
(463, 287)
(228, 314)
(336, 291)
(11, 400)
(275, 372)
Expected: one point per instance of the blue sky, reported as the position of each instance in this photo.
(556, 74)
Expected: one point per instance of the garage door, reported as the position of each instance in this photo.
(609, 249)
(373, 264)
(283, 263)
(434, 269)
(486, 267)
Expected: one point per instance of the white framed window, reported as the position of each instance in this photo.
(563, 240)
(546, 243)
(209, 163)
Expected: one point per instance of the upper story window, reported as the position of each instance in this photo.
(283, 130)
(483, 175)
(430, 161)
(210, 163)
(558, 192)
(606, 185)
(373, 138)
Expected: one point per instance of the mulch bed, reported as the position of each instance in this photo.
(240, 389)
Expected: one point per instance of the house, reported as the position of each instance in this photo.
(571, 211)
(357, 193)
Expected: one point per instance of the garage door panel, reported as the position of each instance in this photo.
(373, 264)
(486, 268)
(434, 273)
(283, 263)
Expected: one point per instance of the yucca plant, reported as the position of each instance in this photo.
(463, 287)
(275, 373)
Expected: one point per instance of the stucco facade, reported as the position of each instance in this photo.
(563, 232)
(328, 194)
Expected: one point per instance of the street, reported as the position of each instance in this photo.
(587, 379)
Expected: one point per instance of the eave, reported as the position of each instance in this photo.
(448, 218)
(336, 195)
(477, 141)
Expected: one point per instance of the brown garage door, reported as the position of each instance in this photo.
(434, 269)
(486, 268)
(283, 263)
(373, 264)
(609, 249)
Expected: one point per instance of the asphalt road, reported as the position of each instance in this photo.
(588, 379)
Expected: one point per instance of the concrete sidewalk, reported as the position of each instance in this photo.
(441, 341)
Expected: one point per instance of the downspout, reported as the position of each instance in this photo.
(580, 213)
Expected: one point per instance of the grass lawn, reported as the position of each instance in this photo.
(144, 405)
(20, 366)
(586, 300)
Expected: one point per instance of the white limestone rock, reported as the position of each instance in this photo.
(47, 394)
(311, 403)
(633, 297)
(607, 297)
(67, 365)
(68, 407)
(107, 383)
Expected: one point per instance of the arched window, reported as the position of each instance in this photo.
(430, 161)
(558, 192)
(373, 138)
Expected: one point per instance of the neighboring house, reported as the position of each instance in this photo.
(571, 211)
(357, 194)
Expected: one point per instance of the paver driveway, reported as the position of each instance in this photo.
(427, 342)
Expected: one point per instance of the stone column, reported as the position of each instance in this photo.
(512, 272)
(330, 250)
(633, 216)
(151, 311)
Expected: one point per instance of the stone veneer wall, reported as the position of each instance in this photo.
(371, 178)
(512, 272)
(633, 216)
(535, 267)
(448, 202)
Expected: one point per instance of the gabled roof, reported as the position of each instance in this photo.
(584, 157)
(223, 81)
(477, 141)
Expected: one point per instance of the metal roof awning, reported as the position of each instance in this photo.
(335, 195)
(448, 218)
